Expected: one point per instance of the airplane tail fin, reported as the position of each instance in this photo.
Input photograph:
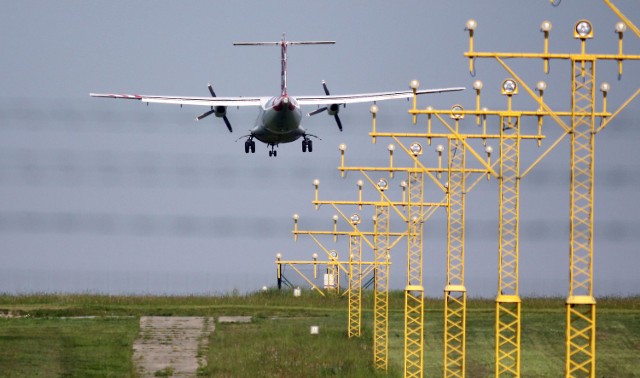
(283, 48)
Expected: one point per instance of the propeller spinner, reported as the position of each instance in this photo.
(219, 111)
(333, 109)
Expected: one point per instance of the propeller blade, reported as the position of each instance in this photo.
(201, 116)
(319, 110)
(226, 121)
(324, 86)
(213, 94)
(338, 122)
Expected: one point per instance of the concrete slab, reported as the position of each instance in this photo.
(234, 319)
(172, 344)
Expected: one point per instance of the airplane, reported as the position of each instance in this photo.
(280, 116)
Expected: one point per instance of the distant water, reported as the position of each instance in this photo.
(129, 282)
(29, 281)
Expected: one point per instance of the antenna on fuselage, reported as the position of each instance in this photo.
(283, 48)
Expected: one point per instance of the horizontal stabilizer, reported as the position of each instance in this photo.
(279, 43)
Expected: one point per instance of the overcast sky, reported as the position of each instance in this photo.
(115, 196)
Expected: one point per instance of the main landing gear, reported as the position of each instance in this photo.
(249, 145)
(273, 152)
(307, 145)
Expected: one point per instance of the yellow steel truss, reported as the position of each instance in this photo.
(381, 287)
(455, 292)
(355, 286)
(508, 301)
(581, 306)
(414, 291)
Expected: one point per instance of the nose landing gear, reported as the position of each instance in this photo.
(273, 152)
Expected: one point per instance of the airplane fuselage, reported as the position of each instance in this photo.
(279, 121)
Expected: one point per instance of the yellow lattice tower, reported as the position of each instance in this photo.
(355, 285)
(414, 291)
(411, 212)
(455, 291)
(381, 286)
(581, 305)
(508, 303)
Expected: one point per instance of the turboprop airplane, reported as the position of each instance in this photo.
(279, 117)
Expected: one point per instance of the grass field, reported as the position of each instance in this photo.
(44, 337)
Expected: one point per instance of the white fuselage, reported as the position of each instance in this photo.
(278, 121)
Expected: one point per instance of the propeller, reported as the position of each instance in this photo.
(213, 110)
(334, 107)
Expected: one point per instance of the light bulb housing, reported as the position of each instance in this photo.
(583, 30)
(382, 184)
(456, 112)
(509, 87)
(416, 149)
(471, 24)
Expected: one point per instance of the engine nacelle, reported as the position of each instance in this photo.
(333, 109)
(220, 111)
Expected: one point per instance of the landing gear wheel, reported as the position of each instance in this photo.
(270, 153)
(247, 145)
(309, 145)
(253, 147)
(275, 153)
(304, 145)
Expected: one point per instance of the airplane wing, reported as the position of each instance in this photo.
(367, 97)
(199, 101)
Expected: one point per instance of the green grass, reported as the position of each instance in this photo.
(278, 343)
(53, 347)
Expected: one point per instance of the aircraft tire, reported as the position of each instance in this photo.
(253, 147)
(309, 145)
(304, 146)
(275, 153)
(246, 147)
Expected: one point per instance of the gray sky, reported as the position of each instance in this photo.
(115, 196)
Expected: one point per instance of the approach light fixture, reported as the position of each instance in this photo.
(355, 219)
(403, 184)
(316, 183)
(414, 84)
(477, 85)
(456, 112)
(471, 24)
(583, 30)
(342, 147)
(333, 254)
(374, 109)
(391, 147)
(509, 87)
(416, 148)
(439, 148)
(296, 217)
(546, 26)
(605, 87)
(335, 217)
(382, 184)
(621, 27)
(541, 86)
(488, 150)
